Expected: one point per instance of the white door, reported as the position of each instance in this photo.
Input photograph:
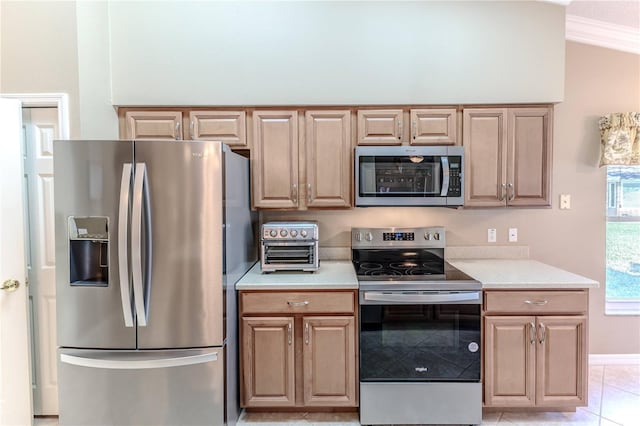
(41, 128)
(15, 382)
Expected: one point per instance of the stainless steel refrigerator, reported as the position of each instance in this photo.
(151, 237)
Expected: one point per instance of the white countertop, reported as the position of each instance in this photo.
(520, 274)
(331, 275)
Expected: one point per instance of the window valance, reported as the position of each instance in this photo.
(620, 139)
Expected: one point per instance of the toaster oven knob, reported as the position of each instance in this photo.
(427, 236)
(368, 236)
(303, 233)
(294, 233)
(273, 233)
(283, 232)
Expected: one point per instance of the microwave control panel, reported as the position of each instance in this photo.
(455, 177)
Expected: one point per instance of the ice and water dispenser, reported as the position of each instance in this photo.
(89, 251)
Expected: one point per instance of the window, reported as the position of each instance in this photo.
(623, 240)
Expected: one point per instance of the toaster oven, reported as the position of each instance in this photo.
(289, 246)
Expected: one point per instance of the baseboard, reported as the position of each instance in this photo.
(607, 359)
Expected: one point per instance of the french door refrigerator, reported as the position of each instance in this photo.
(151, 237)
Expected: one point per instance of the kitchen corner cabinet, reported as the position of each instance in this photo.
(311, 170)
(535, 348)
(298, 349)
(507, 156)
(153, 125)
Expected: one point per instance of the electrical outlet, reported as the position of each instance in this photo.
(491, 235)
(513, 235)
(565, 201)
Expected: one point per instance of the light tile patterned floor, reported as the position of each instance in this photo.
(614, 400)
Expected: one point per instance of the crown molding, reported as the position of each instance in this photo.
(604, 34)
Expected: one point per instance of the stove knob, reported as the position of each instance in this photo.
(368, 236)
(294, 233)
(357, 236)
(427, 236)
(436, 236)
(303, 233)
(283, 232)
(273, 233)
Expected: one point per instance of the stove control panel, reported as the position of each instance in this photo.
(429, 237)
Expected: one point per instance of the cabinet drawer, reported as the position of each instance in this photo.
(536, 302)
(297, 302)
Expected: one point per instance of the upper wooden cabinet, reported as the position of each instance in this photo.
(507, 156)
(380, 127)
(433, 127)
(275, 159)
(153, 125)
(225, 126)
(428, 126)
(328, 158)
(289, 174)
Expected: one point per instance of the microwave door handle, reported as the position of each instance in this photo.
(445, 176)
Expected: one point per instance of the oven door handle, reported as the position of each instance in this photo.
(469, 297)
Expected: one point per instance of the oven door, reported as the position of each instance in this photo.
(412, 176)
(420, 336)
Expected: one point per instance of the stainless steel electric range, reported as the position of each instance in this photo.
(419, 330)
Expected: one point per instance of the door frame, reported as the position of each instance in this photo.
(61, 102)
(58, 100)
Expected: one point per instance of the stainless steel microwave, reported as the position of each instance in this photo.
(409, 176)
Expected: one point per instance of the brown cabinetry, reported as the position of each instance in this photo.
(184, 123)
(426, 126)
(507, 156)
(303, 353)
(297, 172)
(433, 127)
(225, 126)
(153, 125)
(535, 349)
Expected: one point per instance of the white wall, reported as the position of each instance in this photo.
(393, 52)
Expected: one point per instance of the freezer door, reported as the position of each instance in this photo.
(137, 388)
(182, 290)
(91, 202)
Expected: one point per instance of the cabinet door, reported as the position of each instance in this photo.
(275, 159)
(509, 363)
(529, 157)
(433, 127)
(328, 158)
(329, 361)
(153, 124)
(380, 127)
(268, 370)
(485, 150)
(561, 361)
(225, 126)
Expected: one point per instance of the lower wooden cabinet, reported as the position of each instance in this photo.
(302, 354)
(536, 360)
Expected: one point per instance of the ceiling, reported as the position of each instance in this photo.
(614, 24)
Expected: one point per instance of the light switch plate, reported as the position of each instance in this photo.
(491, 235)
(565, 201)
(513, 235)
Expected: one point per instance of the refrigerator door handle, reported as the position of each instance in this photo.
(123, 255)
(140, 202)
(120, 363)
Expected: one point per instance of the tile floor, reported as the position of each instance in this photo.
(614, 399)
